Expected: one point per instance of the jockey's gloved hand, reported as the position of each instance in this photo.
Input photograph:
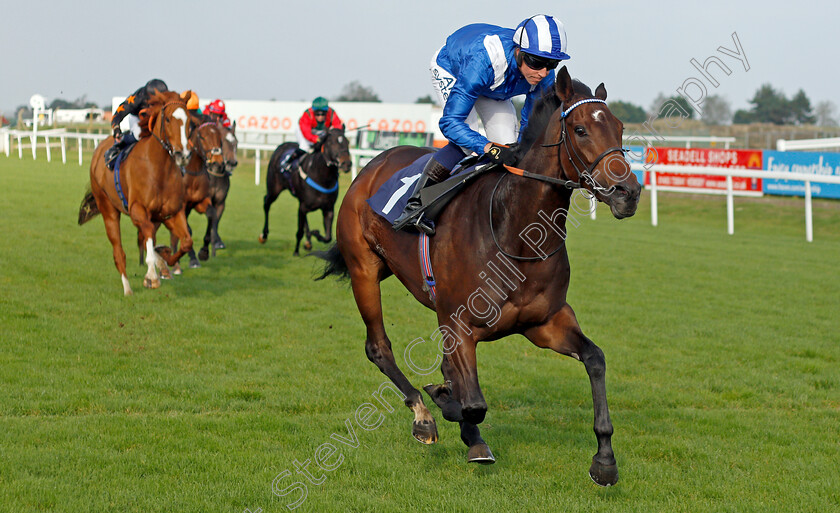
(501, 154)
(117, 133)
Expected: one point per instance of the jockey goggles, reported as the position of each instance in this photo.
(320, 112)
(537, 63)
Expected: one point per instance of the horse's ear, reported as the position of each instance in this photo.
(563, 85)
(233, 127)
(601, 92)
(343, 127)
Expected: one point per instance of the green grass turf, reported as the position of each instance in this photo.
(722, 369)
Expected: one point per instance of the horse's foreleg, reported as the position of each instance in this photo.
(217, 240)
(460, 397)
(328, 219)
(212, 217)
(563, 335)
(141, 247)
(146, 229)
(177, 224)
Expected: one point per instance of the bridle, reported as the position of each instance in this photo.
(332, 160)
(163, 139)
(584, 175)
(208, 155)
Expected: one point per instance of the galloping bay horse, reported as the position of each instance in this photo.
(314, 182)
(148, 187)
(490, 280)
(219, 188)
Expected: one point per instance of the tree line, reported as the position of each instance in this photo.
(768, 105)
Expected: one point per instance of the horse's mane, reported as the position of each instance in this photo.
(161, 98)
(541, 113)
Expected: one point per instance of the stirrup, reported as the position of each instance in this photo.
(415, 220)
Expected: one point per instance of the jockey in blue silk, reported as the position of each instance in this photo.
(475, 75)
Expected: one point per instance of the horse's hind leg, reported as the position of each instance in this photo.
(111, 217)
(563, 335)
(274, 188)
(365, 281)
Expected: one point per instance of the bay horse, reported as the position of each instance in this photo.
(206, 160)
(492, 278)
(219, 188)
(148, 187)
(314, 182)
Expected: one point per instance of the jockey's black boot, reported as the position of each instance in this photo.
(434, 172)
(286, 163)
(113, 151)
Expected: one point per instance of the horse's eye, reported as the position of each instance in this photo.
(579, 130)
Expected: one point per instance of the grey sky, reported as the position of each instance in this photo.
(260, 50)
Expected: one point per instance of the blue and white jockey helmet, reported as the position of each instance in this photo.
(542, 36)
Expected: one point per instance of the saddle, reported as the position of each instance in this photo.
(119, 157)
(389, 201)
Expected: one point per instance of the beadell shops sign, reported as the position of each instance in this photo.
(706, 157)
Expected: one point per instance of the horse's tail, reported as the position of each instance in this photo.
(89, 209)
(335, 264)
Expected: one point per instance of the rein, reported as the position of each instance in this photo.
(585, 176)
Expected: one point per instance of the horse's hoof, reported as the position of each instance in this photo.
(480, 453)
(262, 239)
(203, 254)
(151, 284)
(176, 270)
(603, 475)
(307, 245)
(296, 253)
(194, 263)
(425, 431)
(219, 245)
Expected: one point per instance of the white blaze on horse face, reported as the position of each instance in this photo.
(597, 115)
(230, 138)
(181, 115)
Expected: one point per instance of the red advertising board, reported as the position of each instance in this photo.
(738, 159)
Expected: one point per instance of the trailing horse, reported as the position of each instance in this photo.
(219, 188)
(147, 186)
(493, 275)
(314, 182)
(207, 160)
